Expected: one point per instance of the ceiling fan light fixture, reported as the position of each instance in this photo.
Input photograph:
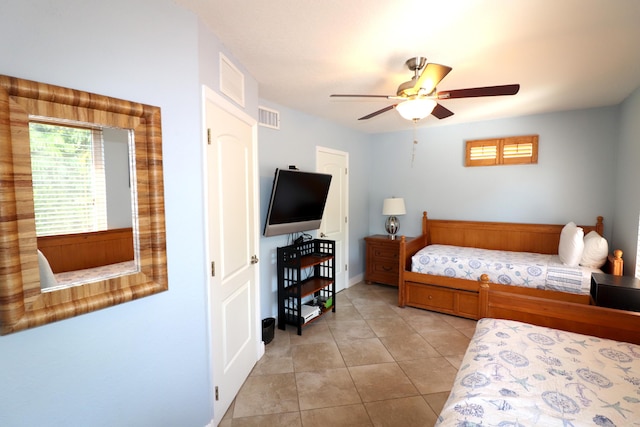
(416, 109)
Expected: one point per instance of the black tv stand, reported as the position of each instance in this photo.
(306, 271)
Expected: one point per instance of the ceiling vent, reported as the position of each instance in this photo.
(268, 118)
(231, 81)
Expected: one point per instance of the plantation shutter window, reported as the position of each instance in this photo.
(69, 188)
(502, 151)
(482, 153)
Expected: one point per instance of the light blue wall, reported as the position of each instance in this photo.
(573, 179)
(146, 362)
(627, 174)
(295, 144)
(117, 178)
(210, 48)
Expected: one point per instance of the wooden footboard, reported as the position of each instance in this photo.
(602, 322)
(460, 297)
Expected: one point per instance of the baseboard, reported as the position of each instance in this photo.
(355, 280)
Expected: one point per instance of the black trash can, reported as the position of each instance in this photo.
(268, 326)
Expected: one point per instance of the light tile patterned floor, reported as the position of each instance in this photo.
(369, 364)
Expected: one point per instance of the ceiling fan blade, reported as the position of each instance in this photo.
(358, 96)
(429, 79)
(441, 112)
(479, 91)
(375, 113)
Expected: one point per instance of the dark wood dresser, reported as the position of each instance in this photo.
(382, 263)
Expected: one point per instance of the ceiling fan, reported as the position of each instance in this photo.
(418, 97)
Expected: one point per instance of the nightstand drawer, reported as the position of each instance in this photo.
(385, 267)
(384, 272)
(385, 252)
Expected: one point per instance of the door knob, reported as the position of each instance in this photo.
(322, 234)
(254, 259)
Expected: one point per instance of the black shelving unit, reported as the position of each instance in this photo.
(306, 274)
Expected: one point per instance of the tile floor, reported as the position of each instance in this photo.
(370, 363)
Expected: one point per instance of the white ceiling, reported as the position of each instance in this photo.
(565, 54)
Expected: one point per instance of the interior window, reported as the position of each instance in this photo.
(502, 151)
(69, 189)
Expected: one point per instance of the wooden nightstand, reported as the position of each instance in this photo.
(382, 264)
(621, 292)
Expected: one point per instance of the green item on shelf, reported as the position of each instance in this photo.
(328, 303)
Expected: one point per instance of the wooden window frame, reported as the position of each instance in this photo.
(498, 145)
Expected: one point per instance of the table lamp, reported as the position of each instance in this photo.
(392, 207)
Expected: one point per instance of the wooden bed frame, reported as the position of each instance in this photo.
(619, 325)
(79, 251)
(460, 297)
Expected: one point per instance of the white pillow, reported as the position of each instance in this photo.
(571, 245)
(595, 251)
(47, 279)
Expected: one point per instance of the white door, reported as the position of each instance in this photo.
(335, 222)
(232, 245)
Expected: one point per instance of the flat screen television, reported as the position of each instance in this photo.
(297, 201)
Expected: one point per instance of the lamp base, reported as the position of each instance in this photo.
(392, 225)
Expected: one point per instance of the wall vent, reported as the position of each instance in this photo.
(268, 118)
(231, 80)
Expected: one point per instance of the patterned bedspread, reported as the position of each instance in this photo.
(524, 269)
(97, 273)
(516, 374)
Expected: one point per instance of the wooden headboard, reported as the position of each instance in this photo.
(584, 319)
(507, 236)
(71, 252)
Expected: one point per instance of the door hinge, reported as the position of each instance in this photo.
(217, 395)
(209, 136)
(346, 267)
(213, 269)
(345, 171)
(345, 220)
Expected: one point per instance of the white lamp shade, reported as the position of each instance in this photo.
(416, 109)
(393, 206)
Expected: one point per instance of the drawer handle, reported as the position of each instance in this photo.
(387, 268)
(430, 296)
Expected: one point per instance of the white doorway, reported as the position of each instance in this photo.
(335, 222)
(232, 244)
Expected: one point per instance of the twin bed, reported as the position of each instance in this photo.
(449, 279)
(519, 374)
(519, 371)
(541, 355)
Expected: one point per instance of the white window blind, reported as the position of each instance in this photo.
(69, 187)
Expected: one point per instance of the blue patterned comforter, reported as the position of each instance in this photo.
(524, 269)
(516, 374)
